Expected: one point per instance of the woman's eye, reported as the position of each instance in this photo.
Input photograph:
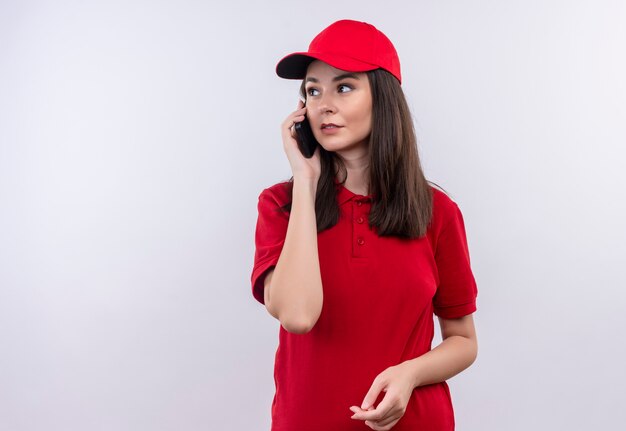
(310, 91)
(344, 86)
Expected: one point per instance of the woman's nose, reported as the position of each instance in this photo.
(326, 104)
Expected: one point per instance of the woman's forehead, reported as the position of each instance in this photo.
(319, 68)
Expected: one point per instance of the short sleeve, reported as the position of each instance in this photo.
(457, 290)
(271, 229)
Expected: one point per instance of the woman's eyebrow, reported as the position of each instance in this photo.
(336, 78)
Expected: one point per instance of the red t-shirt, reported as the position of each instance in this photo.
(380, 294)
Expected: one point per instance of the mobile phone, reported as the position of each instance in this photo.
(306, 141)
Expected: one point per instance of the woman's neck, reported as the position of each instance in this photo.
(356, 179)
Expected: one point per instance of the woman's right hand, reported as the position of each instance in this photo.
(301, 167)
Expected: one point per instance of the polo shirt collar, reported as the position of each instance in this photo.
(344, 195)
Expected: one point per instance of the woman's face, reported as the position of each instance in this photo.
(334, 96)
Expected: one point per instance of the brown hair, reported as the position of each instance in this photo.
(402, 197)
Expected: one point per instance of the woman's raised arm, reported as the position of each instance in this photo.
(293, 289)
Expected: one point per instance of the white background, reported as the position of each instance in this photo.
(135, 138)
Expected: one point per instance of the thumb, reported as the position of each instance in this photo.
(372, 394)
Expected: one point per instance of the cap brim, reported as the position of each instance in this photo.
(294, 66)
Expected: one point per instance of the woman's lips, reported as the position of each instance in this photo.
(329, 129)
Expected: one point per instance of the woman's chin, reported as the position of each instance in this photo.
(335, 146)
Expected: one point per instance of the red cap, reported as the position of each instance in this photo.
(349, 45)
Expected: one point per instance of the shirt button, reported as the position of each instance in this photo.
(359, 220)
(360, 241)
(359, 203)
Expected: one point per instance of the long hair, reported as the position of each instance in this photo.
(402, 197)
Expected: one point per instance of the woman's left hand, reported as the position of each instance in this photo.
(397, 383)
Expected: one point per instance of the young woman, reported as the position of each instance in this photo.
(357, 250)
